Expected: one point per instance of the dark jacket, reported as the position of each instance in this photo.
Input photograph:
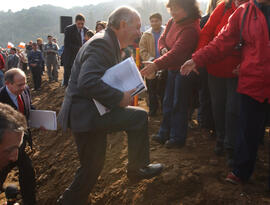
(72, 44)
(13, 61)
(26, 98)
(35, 57)
(78, 110)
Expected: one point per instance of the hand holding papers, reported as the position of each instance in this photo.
(124, 76)
(43, 118)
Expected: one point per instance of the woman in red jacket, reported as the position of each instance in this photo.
(222, 81)
(248, 29)
(177, 43)
(2, 68)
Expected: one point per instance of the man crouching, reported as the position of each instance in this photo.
(79, 113)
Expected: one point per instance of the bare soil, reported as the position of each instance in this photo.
(192, 175)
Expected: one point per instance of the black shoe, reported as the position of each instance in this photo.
(219, 149)
(159, 139)
(147, 172)
(174, 144)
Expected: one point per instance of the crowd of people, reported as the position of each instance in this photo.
(222, 60)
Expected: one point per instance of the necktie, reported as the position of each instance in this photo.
(80, 32)
(20, 104)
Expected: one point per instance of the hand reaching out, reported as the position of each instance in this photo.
(188, 67)
(163, 51)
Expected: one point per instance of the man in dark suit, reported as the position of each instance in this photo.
(79, 112)
(17, 95)
(74, 39)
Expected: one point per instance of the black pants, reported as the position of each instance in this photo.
(67, 72)
(205, 115)
(26, 177)
(152, 95)
(92, 148)
(253, 115)
(24, 67)
(156, 89)
(36, 74)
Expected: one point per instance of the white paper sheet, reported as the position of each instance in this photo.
(124, 76)
(45, 118)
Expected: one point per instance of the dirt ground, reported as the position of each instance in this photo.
(192, 175)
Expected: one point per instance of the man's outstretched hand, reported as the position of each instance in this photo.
(188, 67)
(126, 98)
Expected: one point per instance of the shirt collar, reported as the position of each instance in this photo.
(10, 93)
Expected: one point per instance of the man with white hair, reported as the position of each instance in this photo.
(80, 114)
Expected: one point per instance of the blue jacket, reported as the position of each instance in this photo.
(35, 57)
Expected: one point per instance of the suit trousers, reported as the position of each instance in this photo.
(26, 176)
(91, 147)
(67, 72)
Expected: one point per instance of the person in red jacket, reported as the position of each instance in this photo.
(177, 43)
(248, 29)
(2, 68)
(222, 81)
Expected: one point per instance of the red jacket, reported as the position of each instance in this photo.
(2, 62)
(181, 41)
(218, 19)
(254, 72)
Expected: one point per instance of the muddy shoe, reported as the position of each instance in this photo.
(233, 179)
(174, 144)
(147, 172)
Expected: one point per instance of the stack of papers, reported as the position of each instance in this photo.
(124, 76)
(43, 118)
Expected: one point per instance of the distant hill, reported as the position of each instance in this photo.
(29, 24)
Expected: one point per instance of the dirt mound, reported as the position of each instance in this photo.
(192, 175)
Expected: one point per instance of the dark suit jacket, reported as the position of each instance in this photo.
(26, 98)
(4, 98)
(78, 110)
(72, 44)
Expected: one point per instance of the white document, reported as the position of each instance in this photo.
(44, 118)
(124, 76)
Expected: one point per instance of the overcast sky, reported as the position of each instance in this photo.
(17, 5)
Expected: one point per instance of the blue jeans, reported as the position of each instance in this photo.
(253, 115)
(175, 106)
(2, 79)
(225, 107)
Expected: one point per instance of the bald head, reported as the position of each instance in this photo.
(15, 80)
(126, 24)
(124, 13)
(10, 74)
